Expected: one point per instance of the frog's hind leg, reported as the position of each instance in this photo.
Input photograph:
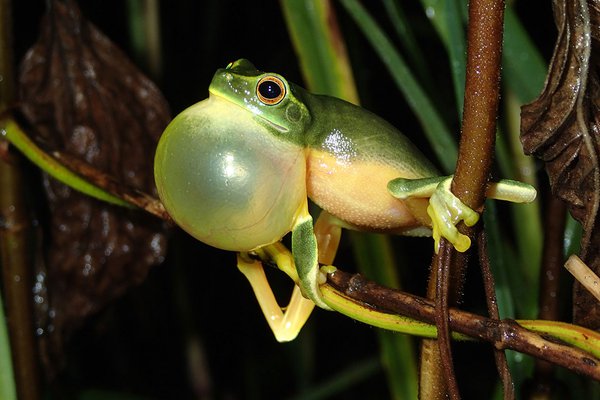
(328, 230)
(285, 323)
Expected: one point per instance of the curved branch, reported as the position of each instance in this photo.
(504, 334)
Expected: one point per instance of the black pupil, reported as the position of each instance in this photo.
(269, 90)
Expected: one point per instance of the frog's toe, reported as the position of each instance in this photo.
(446, 211)
(443, 227)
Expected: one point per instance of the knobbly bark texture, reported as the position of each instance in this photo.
(82, 97)
(505, 334)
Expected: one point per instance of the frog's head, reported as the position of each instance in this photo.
(268, 96)
(231, 169)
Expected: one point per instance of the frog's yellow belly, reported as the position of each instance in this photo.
(356, 192)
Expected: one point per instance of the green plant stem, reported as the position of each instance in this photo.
(8, 390)
(375, 258)
(144, 33)
(10, 130)
(320, 47)
(78, 174)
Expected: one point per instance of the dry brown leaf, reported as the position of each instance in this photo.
(561, 127)
(84, 98)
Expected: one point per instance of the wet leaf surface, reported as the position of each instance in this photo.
(562, 126)
(84, 98)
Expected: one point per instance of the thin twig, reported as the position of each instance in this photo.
(442, 318)
(552, 259)
(584, 275)
(133, 196)
(490, 296)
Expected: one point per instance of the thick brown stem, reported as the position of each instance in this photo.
(442, 300)
(482, 96)
(494, 313)
(435, 354)
(478, 128)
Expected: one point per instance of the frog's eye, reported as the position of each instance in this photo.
(270, 90)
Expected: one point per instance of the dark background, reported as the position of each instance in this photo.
(197, 306)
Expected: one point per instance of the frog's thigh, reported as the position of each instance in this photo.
(285, 325)
(357, 193)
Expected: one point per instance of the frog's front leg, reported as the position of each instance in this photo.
(285, 323)
(306, 256)
(446, 210)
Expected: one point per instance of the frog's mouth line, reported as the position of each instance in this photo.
(278, 127)
(274, 125)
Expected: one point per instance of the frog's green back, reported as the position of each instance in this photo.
(353, 133)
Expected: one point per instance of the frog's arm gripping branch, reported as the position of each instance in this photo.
(306, 257)
(446, 210)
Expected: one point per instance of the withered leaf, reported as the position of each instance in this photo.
(84, 98)
(562, 126)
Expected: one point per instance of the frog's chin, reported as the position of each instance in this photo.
(215, 96)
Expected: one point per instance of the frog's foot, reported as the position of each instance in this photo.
(446, 210)
(285, 323)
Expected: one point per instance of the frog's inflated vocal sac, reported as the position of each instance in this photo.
(236, 169)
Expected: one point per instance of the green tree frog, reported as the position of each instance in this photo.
(236, 171)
